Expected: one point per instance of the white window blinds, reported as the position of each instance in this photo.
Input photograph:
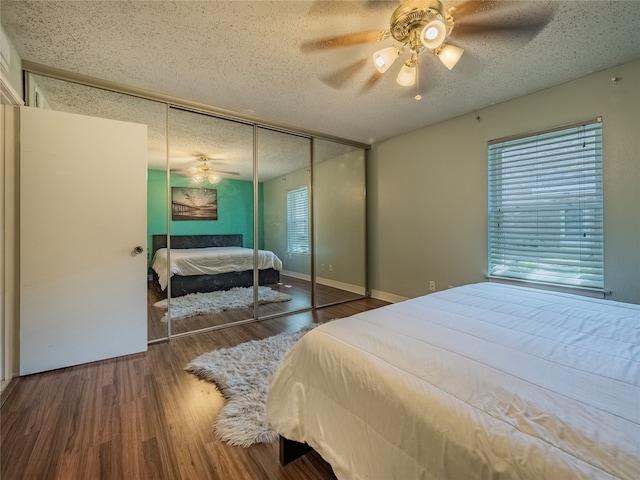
(298, 220)
(545, 207)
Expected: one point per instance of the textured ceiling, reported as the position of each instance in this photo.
(246, 57)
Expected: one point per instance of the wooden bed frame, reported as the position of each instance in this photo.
(182, 285)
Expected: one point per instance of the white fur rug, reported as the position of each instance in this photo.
(243, 374)
(214, 302)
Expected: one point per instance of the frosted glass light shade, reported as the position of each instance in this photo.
(449, 55)
(213, 178)
(433, 34)
(384, 58)
(407, 75)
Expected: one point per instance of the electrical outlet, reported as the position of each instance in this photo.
(330, 267)
(432, 286)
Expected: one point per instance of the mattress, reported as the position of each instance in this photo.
(210, 261)
(480, 381)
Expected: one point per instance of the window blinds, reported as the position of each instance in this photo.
(545, 207)
(298, 220)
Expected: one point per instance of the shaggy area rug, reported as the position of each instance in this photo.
(243, 374)
(214, 302)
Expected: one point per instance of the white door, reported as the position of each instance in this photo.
(83, 207)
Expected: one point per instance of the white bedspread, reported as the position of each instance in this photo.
(210, 261)
(476, 382)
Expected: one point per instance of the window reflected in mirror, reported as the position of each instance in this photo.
(284, 176)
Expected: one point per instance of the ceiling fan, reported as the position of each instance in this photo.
(427, 26)
(202, 172)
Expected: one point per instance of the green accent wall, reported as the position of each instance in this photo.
(235, 209)
(156, 204)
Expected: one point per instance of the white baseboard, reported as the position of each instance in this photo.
(387, 297)
(358, 289)
(377, 294)
(342, 286)
(300, 276)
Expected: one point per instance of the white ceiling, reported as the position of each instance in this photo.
(246, 56)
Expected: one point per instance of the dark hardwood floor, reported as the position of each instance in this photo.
(142, 416)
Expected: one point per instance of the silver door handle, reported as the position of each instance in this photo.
(138, 250)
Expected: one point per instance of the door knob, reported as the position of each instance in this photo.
(138, 250)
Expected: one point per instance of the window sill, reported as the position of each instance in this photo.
(587, 292)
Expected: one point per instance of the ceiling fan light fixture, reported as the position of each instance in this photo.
(407, 75)
(433, 34)
(449, 55)
(213, 178)
(384, 58)
(198, 178)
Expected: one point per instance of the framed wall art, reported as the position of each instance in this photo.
(194, 203)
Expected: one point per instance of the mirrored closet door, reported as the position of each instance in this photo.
(211, 224)
(284, 220)
(286, 210)
(339, 222)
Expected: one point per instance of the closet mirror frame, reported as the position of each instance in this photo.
(30, 68)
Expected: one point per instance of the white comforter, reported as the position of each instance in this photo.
(210, 261)
(481, 381)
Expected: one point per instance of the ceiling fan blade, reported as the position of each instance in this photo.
(474, 7)
(198, 158)
(371, 82)
(341, 77)
(189, 172)
(182, 158)
(344, 40)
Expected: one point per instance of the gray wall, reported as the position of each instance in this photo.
(427, 190)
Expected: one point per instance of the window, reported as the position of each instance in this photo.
(545, 207)
(298, 220)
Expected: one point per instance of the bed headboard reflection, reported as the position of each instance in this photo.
(196, 241)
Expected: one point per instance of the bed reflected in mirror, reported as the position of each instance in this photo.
(206, 267)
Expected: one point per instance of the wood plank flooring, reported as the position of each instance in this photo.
(142, 416)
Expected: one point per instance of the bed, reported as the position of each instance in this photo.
(207, 263)
(481, 381)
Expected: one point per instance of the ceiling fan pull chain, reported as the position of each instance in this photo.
(418, 96)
